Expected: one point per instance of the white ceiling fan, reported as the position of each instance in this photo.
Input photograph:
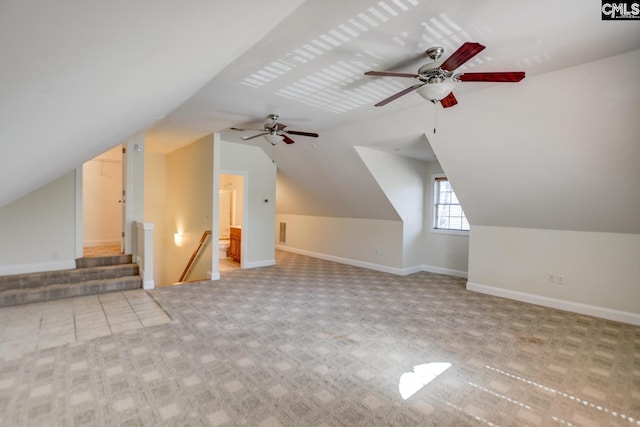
(275, 132)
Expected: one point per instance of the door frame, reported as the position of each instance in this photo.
(79, 207)
(123, 199)
(245, 212)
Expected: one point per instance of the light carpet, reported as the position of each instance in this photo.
(315, 343)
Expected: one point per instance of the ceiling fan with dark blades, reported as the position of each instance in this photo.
(275, 132)
(437, 79)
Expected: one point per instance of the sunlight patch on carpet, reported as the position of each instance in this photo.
(412, 382)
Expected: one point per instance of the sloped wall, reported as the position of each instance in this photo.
(557, 151)
(38, 230)
(84, 104)
(399, 247)
(331, 180)
(403, 182)
(547, 172)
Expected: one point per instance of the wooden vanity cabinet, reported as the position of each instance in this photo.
(235, 243)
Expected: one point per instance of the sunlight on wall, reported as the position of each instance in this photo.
(412, 382)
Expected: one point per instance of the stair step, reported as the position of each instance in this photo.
(62, 277)
(91, 276)
(29, 295)
(103, 260)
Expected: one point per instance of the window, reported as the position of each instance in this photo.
(447, 212)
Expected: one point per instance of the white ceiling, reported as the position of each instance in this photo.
(80, 77)
(309, 68)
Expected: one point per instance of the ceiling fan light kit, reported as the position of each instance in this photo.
(273, 139)
(435, 91)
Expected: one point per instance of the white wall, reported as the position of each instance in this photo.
(189, 205)
(402, 181)
(399, 247)
(38, 231)
(134, 188)
(259, 174)
(556, 151)
(600, 270)
(444, 253)
(179, 197)
(529, 160)
(155, 202)
(369, 243)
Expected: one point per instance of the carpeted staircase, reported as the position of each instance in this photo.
(91, 276)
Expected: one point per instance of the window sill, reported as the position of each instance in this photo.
(452, 232)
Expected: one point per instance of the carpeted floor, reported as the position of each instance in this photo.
(314, 343)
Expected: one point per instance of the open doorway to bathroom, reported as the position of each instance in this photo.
(230, 227)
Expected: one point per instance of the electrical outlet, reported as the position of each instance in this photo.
(556, 278)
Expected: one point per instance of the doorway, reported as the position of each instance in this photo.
(231, 196)
(102, 204)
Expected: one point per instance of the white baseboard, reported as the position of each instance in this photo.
(446, 271)
(6, 270)
(353, 262)
(377, 267)
(149, 284)
(256, 264)
(575, 307)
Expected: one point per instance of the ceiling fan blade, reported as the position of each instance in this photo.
(297, 132)
(280, 126)
(389, 74)
(413, 60)
(244, 130)
(398, 95)
(287, 140)
(246, 138)
(506, 76)
(448, 101)
(464, 53)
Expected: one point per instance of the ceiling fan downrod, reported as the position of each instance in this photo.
(435, 115)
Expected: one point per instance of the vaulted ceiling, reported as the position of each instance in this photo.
(79, 78)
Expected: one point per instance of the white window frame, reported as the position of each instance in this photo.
(434, 196)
